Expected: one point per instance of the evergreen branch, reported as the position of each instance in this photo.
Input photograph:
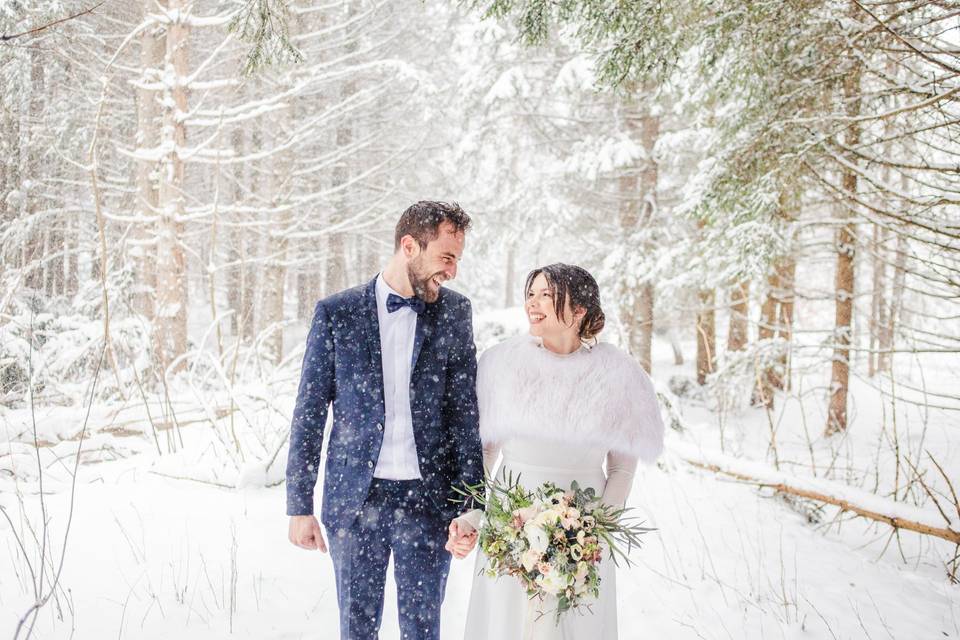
(265, 25)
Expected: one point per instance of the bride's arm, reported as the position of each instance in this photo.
(491, 451)
(621, 468)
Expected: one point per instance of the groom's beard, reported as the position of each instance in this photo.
(423, 285)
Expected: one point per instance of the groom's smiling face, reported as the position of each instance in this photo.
(429, 267)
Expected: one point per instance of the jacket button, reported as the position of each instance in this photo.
(370, 463)
(379, 427)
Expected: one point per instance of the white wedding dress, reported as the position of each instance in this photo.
(587, 417)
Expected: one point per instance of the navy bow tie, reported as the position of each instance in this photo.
(395, 302)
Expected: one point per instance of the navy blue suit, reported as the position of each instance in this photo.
(367, 519)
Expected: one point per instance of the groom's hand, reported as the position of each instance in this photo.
(305, 533)
(461, 538)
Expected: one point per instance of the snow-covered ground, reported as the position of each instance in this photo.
(153, 557)
(158, 549)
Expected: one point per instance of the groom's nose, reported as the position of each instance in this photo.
(451, 271)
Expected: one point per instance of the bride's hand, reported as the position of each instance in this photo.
(461, 538)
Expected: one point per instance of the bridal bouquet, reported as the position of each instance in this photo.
(552, 539)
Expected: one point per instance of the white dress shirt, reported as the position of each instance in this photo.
(398, 455)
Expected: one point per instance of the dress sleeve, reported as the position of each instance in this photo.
(621, 468)
(491, 451)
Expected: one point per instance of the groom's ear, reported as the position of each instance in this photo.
(409, 246)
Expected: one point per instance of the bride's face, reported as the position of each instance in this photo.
(542, 312)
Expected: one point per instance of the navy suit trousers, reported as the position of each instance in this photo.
(396, 518)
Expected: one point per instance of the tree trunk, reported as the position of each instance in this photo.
(250, 252)
(737, 334)
(235, 234)
(170, 323)
(878, 301)
(72, 247)
(888, 328)
(275, 274)
(637, 188)
(763, 389)
(844, 277)
(509, 281)
(33, 246)
(786, 296)
(706, 335)
(152, 48)
(338, 277)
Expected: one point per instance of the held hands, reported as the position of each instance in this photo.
(461, 538)
(305, 533)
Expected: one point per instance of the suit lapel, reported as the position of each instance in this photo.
(371, 327)
(425, 326)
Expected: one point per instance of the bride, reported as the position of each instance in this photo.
(557, 404)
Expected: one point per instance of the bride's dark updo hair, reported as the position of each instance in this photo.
(573, 283)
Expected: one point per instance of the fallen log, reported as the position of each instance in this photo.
(847, 498)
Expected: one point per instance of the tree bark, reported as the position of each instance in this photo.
(706, 335)
(763, 388)
(152, 48)
(878, 300)
(510, 276)
(888, 329)
(637, 191)
(170, 322)
(737, 333)
(33, 246)
(787, 276)
(844, 280)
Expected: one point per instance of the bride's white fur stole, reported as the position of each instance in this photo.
(596, 397)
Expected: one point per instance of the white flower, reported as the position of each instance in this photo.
(536, 536)
(571, 517)
(529, 559)
(580, 578)
(548, 517)
(553, 582)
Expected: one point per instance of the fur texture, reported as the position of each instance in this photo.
(597, 396)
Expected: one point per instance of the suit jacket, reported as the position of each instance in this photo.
(342, 366)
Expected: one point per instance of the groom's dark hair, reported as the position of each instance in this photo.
(423, 219)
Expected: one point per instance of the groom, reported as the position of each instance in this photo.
(396, 358)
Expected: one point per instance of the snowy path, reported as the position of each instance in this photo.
(150, 557)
